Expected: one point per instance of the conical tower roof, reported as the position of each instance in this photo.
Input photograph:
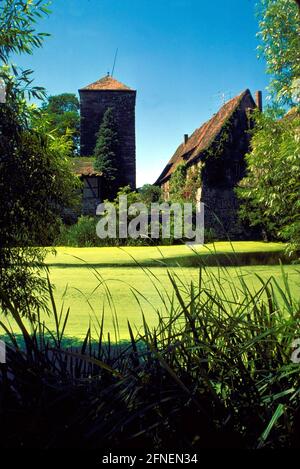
(106, 83)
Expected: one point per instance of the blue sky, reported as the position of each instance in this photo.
(180, 56)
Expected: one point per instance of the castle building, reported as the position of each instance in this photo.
(216, 151)
(95, 99)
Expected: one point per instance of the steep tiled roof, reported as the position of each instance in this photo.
(203, 137)
(292, 113)
(107, 83)
(84, 166)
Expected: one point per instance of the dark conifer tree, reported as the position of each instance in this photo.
(106, 149)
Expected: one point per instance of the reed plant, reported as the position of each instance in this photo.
(215, 372)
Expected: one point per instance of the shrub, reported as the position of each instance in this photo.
(270, 191)
(81, 234)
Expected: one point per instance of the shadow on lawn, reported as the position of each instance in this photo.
(194, 259)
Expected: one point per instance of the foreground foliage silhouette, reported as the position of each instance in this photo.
(216, 372)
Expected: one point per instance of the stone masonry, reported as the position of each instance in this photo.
(217, 150)
(95, 99)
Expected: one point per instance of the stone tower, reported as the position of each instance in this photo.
(95, 99)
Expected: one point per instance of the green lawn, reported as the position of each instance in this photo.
(90, 279)
(154, 256)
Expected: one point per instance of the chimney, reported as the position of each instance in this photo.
(258, 100)
(186, 137)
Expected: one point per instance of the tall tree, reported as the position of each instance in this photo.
(35, 179)
(106, 151)
(62, 113)
(18, 33)
(279, 32)
(270, 192)
(61, 103)
(150, 193)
